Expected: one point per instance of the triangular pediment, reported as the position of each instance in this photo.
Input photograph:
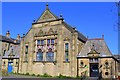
(47, 15)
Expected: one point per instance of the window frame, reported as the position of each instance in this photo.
(52, 41)
(39, 56)
(48, 41)
(50, 55)
(66, 52)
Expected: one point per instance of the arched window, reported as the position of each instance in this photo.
(39, 56)
(50, 55)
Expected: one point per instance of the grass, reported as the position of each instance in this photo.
(61, 76)
(45, 75)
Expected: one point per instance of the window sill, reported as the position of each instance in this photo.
(45, 62)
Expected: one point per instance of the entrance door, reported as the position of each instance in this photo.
(10, 68)
(94, 71)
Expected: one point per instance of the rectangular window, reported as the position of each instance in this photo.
(66, 56)
(50, 56)
(66, 52)
(26, 50)
(48, 41)
(4, 52)
(52, 41)
(38, 42)
(66, 46)
(39, 56)
(26, 53)
(42, 42)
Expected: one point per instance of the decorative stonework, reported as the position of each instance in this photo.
(47, 33)
(40, 33)
(50, 47)
(67, 39)
(50, 31)
(46, 16)
(42, 48)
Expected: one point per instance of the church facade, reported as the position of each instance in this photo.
(54, 47)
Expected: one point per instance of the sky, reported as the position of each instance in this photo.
(92, 19)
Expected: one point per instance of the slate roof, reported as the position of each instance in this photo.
(9, 40)
(80, 35)
(117, 57)
(99, 45)
(14, 50)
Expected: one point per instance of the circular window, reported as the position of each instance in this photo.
(106, 73)
(106, 63)
(81, 63)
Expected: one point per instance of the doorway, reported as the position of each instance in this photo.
(94, 70)
(10, 67)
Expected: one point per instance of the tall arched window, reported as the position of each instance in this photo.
(39, 56)
(50, 55)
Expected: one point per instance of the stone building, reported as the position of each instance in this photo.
(10, 52)
(50, 46)
(54, 47)
(95, 59)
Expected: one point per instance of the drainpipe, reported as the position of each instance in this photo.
(77, 67)
(18, 65)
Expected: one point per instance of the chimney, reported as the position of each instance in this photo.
(8, 34)
(103, 36)
(18, 37)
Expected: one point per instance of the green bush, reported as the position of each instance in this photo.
(27, 74)
(38, 75)
(78, 77)
(61, 76)
(45, 75)
(33, 74)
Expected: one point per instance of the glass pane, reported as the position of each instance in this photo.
(66, 46)
(48, 41)
(50, 56)
(52, 41)
(39, 56)
(66, 56)
(38, 42)
(26, 49)
(42, 42)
